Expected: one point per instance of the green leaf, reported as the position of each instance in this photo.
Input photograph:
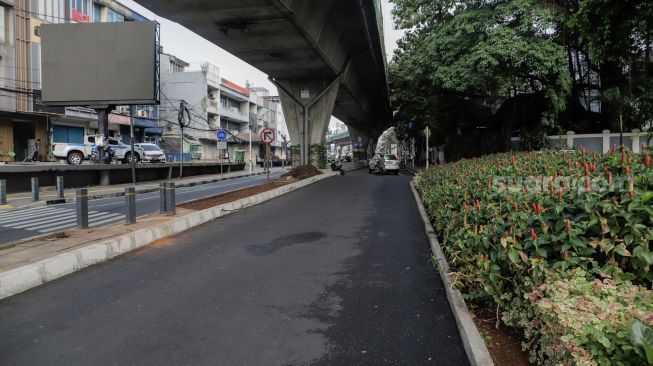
(642, 336)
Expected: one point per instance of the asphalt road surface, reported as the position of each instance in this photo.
(336, 273)
(25, 223)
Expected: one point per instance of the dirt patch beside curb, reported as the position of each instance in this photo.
(220, 199)
(302, 172)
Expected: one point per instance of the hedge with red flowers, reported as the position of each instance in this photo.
(509, 223)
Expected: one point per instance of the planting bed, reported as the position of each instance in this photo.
(559, 242)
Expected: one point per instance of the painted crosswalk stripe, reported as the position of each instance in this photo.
(71, 225)
(25, 213)
(10, 213)
(34, 216)
(40, 225)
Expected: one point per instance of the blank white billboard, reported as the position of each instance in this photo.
(99, 63)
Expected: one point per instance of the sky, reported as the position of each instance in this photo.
(190, 47)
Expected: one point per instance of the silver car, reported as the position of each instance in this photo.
(391, 163)
(152, 153)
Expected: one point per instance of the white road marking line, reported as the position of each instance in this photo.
(29, 215)
(13, 212)
(41, 225)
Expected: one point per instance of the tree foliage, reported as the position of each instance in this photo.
(461, 61)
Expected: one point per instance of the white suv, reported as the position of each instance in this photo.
(391, 164)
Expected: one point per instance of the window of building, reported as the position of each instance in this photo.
(114, 17)
(97, 13)
(80, 5)
(4, 24)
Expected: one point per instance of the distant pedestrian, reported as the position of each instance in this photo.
(37, 150)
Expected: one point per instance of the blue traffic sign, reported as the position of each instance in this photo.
(221, 135)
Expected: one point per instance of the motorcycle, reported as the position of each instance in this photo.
(337, 167)
(378, 168)
(94, 158)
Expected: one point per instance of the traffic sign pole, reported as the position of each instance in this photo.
(221, 136)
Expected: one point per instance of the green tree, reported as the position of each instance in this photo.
(483, 51)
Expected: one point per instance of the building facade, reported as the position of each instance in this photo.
(215, 103)
(27, 119)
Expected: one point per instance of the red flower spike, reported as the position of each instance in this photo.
(588, 187)
(623, 155)
(586, 169)
(577, 165)
(568, 225)
(632, 195)
(560, 194)
(647, 161)
(516, 206)
(609, 177)
(513, 159)
(627, 170)
(533, 234)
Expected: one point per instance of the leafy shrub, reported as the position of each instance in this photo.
(582, 322)
(509, 220)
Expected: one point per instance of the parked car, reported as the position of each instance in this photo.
(152, 153)
(75, 154)
(391, 163)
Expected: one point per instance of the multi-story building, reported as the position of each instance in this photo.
(7, 79)
(215, 103)
(26, 119)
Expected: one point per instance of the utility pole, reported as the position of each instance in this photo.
(251, 167)
(284, 150)
(183, 112)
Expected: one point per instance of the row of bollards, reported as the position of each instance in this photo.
(167, 191)
(167, 200)
(35, 190)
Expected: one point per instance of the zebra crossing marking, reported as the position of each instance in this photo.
(50, 219)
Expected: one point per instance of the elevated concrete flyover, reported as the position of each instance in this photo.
(325, 56)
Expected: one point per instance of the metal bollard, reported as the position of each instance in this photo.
(81, 202)
(60, 192)
(35, 189)
(3, 192)
(163, 209)
(130, 201)
(170, 199)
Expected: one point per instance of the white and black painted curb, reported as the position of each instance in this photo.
(35, 274)
(474, 344)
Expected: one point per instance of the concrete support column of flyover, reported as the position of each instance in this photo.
(307, 106)
(359, 142)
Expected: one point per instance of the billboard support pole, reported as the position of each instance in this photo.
(103, 128)
(131, 143)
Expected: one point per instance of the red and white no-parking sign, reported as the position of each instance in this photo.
(268, 136)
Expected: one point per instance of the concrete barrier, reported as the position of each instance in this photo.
(18, 177)
(35, 274)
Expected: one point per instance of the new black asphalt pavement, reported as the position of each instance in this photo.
(336, 273)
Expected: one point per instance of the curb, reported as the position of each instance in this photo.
(35, 274)
(475, 347)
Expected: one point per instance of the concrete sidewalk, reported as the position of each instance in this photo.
(24, 200)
